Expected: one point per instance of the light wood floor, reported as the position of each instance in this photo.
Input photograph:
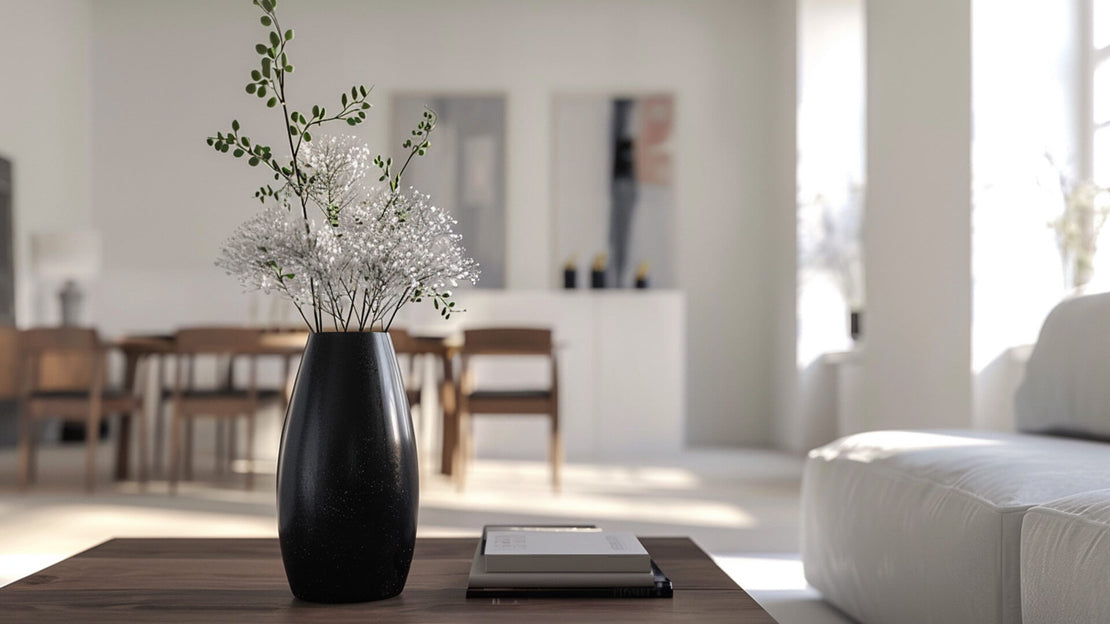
(741, 506)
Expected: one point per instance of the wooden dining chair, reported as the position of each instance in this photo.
(219, 348)
(408, 357)
(89, 403)
(474, 400)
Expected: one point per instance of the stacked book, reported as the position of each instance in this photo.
(563, 561)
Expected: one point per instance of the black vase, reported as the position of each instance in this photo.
(348, 482)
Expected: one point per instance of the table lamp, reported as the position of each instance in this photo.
(66, 256)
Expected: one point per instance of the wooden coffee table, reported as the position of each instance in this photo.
(242, 581)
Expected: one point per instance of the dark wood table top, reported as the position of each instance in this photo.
(242, 581)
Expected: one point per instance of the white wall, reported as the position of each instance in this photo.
(167, 74)
(44, 127)
(784, 225)
(917, 239)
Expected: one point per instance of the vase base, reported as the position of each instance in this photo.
(324, 598)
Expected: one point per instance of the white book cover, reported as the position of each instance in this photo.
(481, 578)
(564, 551)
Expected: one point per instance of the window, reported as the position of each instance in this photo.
(1099, 51)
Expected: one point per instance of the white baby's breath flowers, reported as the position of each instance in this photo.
(366, 253)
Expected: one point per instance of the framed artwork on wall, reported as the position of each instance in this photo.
(613, 186)
(464, 170)
(7, 267)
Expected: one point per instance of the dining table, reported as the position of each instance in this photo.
(154, 350)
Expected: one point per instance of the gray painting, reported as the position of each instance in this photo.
(7, 269)
(613, 187)
(464, 171)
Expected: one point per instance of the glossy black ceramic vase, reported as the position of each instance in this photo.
(348, 483)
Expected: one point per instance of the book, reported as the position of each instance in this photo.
(564, 551)
(483, 583)
(480, 576)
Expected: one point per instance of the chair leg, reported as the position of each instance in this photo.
(188, 472)
(232, 442)
(249, 451)
(144, 452)
(92, 437)
(175, 451)
(462, 450)
(556, 453)
(221, 446)
(26, 452)
(156, 458)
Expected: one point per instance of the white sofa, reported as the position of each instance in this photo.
(976, 527)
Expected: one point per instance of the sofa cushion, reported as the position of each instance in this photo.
(925, 526)
(1065, 560)
(1065, 390)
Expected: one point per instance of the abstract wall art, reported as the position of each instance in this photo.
(464, 170)
(613, 186)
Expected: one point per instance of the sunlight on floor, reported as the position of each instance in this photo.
(764, 573)
(738, 505)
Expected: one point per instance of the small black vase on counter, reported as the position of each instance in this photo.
(597, 271)
(570, 278)
(348, 483)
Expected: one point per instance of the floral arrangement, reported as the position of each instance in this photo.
(333, 244)
(1086, 207)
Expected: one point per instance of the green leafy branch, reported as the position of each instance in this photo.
(268, 82)
(417, 145)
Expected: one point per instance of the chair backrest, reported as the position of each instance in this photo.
(507, 341)
(59, 358)
(58, 340)
(534, 343)
(217, 340)
(9, 362)
(403, 341)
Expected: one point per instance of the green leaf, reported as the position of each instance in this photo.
(235, 125)
(266, 21)
(275, 40)
(272, 102)
(251, 87)
(253, 161)
(256, 75)
(289, 69)
(362, 90)
(289, 35)
(307, 137)
(343, 100)
(261, 48)
(238, 153)
(315, 111)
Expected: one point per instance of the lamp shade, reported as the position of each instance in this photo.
(65, 254)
